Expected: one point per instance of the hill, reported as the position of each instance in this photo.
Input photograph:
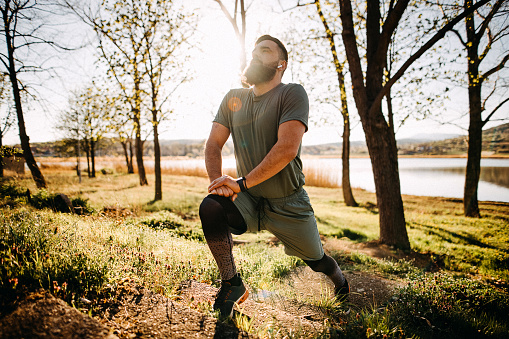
(495, 143)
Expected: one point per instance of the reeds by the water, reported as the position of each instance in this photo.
(314, 176)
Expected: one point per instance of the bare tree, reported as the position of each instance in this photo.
(20, 32)
(369, 89)
(481, 41)
(240, 32)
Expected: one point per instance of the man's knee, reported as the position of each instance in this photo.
(209, 207)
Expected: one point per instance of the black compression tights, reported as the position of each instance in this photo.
(329, 267)
(217, 214)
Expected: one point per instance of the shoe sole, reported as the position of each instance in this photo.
(240, 301)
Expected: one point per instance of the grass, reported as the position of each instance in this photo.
(160, 244)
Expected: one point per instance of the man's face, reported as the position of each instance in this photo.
(264, 64)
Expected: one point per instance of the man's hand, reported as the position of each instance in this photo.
(225, 186)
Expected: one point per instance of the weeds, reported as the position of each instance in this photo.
(36, 253)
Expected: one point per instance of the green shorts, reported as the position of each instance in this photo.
(291, 219)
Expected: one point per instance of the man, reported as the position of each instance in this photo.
(266, 122)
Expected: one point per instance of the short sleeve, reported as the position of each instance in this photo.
(295, 105)
(223, 115)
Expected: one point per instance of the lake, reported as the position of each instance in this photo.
(443, 177)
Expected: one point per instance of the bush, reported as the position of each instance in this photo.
(81, 206)
(106, 171)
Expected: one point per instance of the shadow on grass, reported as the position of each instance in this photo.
(370, 207)
(453, 237)
(352, 235)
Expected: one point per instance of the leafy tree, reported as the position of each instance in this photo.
(167, 29)
(481, 41)
(88, 120)
(121, 33)
(369, 89)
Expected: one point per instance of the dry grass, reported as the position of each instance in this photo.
(320, 178)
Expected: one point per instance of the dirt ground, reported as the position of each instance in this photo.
(135, 312)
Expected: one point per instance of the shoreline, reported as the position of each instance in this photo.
(304, 156)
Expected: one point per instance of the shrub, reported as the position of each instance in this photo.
(106, 171)
(81, 206)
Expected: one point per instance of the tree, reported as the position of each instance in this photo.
(339, 67)
(479, 40)
(165, 41)
(121, 46)
(87, 121)
(240, 8)
(20, 31)
(369, 89)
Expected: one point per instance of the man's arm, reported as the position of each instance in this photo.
(285, 150)
(213, 158)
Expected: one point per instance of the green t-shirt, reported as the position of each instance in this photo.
(253, 122)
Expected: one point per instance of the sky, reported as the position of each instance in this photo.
(216, 64)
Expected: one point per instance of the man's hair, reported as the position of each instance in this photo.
(283, 53)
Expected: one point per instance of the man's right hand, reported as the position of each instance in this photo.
(225, 186)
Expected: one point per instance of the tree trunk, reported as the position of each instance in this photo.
(37, 175)
(92, 157)
(379, 139)
(139, 154)
(345, 158)
(128, 154)
(137, 130)
(473, 170)
(384, 160)
(87, 152)
(157, 161)
(130, 167)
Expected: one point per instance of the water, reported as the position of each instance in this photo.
(442, 177)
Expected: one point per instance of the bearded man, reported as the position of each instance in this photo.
(266, 122)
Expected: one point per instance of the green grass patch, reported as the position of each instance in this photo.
(433, 306)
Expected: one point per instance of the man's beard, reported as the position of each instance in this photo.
(257, 73)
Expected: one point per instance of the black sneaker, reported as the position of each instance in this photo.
(228, 296)
(342, 292)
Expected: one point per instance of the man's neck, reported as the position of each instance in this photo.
(263, 88)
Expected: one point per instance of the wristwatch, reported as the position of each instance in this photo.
(242, 184)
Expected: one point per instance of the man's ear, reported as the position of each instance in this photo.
(283, 65)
